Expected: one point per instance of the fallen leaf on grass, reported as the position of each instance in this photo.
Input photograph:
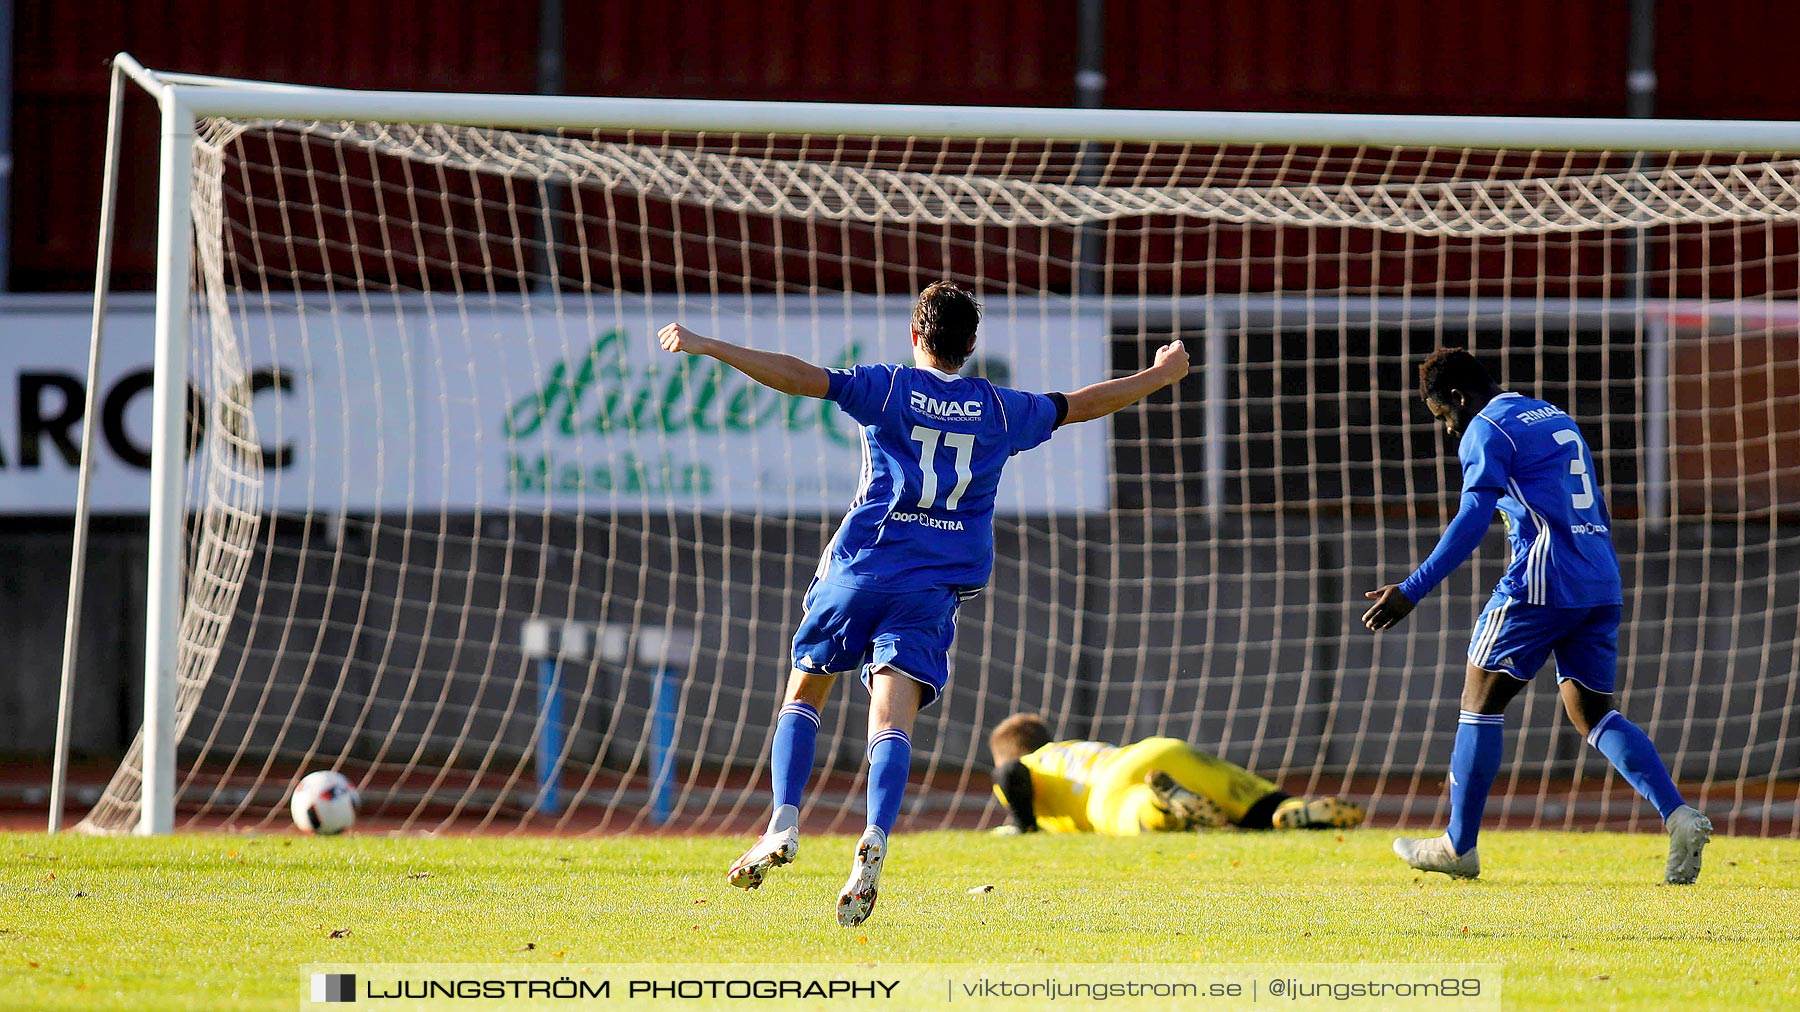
(978, 890)
(529, 946)
(418, 874)
(339, 933)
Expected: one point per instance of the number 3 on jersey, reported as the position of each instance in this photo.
(964, 445)
(1583, 499)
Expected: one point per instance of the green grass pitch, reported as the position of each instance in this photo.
(1579, 921)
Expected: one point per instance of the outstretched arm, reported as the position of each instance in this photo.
(785, 373)
(1102, 399)
(1395, 601)
(1014, 781)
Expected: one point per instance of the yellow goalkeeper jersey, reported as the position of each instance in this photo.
(1062, 775)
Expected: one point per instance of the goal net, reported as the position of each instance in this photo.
(458, 528)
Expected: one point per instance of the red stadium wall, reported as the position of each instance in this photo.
(60, 82)
(1536, 57)
(985, 52)
(1473, 57)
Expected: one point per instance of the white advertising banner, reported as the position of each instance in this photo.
(413, 403)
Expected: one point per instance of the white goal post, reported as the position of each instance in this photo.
(422, 540)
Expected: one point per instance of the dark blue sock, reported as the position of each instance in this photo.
(1631, 752)
(890, 763)
(791, 758)
(1473, 767)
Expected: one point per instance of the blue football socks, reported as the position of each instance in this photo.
(890, 763)
(1631, 752)
(1473, 766)
(791, 761)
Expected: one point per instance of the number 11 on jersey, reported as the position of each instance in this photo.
(964, 445)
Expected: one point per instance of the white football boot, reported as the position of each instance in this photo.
(1689, 832)
(857, 899)
(1436, 854)
(771, 850)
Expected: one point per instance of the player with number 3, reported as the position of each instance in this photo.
(1561, 596)
(917, 540)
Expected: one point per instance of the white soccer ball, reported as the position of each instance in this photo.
(325, 802)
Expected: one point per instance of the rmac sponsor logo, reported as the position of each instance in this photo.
(1543, 414)
(946, 411)
(1589, 529)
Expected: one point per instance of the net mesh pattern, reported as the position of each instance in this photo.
(436, 427)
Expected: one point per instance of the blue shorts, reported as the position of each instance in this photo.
(1516, 638)
(909, 633)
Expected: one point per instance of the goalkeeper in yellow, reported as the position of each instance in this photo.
(1157, 785)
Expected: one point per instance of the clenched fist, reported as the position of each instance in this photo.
(677, 338)
(1172, 359)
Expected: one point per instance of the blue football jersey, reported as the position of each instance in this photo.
(1556, 517)
(933, 446)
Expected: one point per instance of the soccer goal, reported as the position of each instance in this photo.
(454, 526)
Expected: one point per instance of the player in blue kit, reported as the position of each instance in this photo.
(1560, 596)
(918, 539)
